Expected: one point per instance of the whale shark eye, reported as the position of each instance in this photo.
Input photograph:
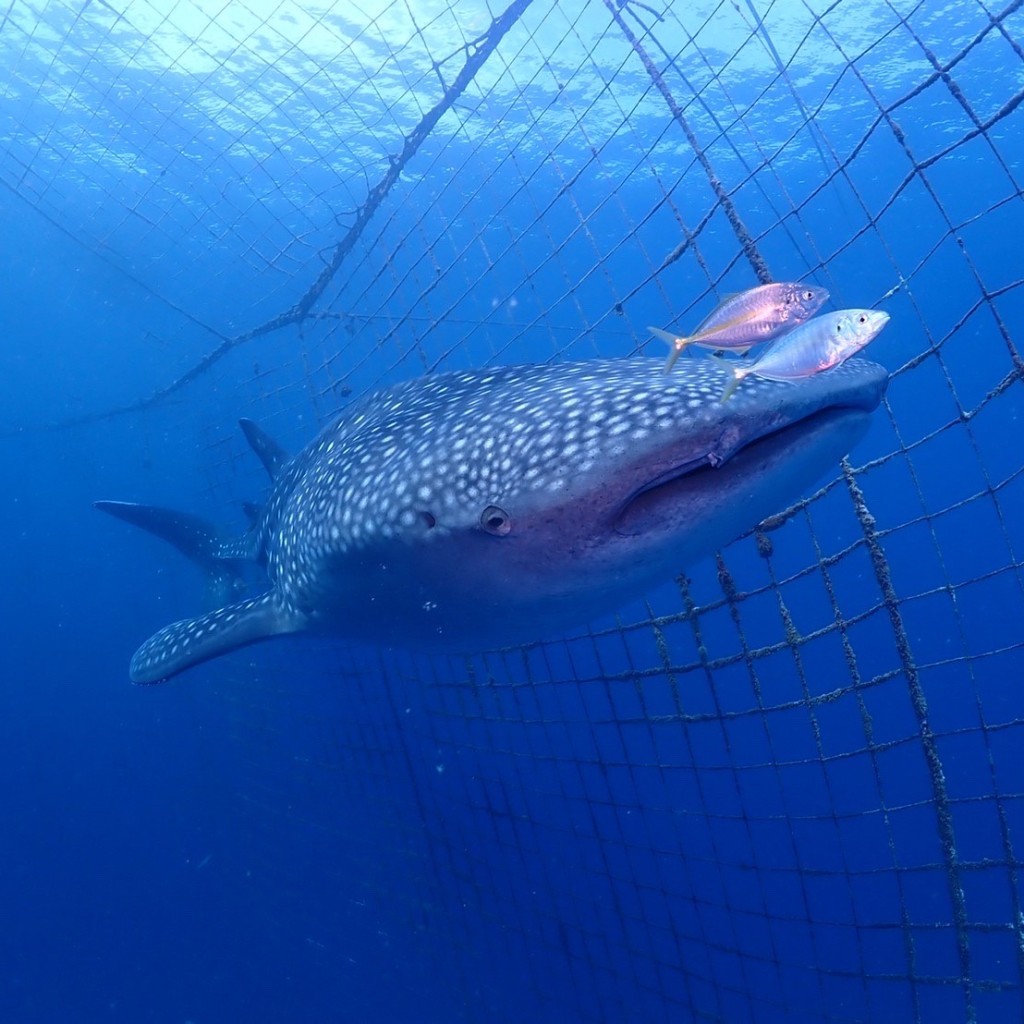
(428, 519)
(496, 521)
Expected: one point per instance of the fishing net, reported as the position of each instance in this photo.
(785, 786)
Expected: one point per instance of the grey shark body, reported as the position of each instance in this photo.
(466, 511)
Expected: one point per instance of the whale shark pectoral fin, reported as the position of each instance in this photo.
(186, 643)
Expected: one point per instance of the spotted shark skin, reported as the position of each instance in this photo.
(473, 510)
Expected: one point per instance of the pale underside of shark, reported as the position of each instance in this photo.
(467, 511)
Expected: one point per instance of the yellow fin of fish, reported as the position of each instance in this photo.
(717, 352)
(704, 338)
(675, 342)
(738, 373)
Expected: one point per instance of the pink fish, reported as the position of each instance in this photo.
(744, 320)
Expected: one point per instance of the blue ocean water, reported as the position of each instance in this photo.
(692, 821)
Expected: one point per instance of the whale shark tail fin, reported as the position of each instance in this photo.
(197, 540)
(186, 643)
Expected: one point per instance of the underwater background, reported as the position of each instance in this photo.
(786, 787)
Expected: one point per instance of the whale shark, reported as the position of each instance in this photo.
(473, 510)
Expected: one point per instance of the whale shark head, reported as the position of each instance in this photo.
(509, 505)
(466, 511)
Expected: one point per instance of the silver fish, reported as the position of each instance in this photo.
(468, 511)
(820, 344)
(756, 315)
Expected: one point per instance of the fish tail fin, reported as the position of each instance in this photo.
(674, 341)
(738, 373)
(186, 643)
(195, 538)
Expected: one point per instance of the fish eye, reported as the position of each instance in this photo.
(496, 521)
(808, 295)
(839, 328)
(862, 318)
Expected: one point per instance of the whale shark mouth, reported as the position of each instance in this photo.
(824, 436)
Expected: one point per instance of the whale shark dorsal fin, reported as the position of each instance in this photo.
(186, 643)
(269, 452)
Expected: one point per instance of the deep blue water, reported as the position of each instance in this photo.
(325, 832)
